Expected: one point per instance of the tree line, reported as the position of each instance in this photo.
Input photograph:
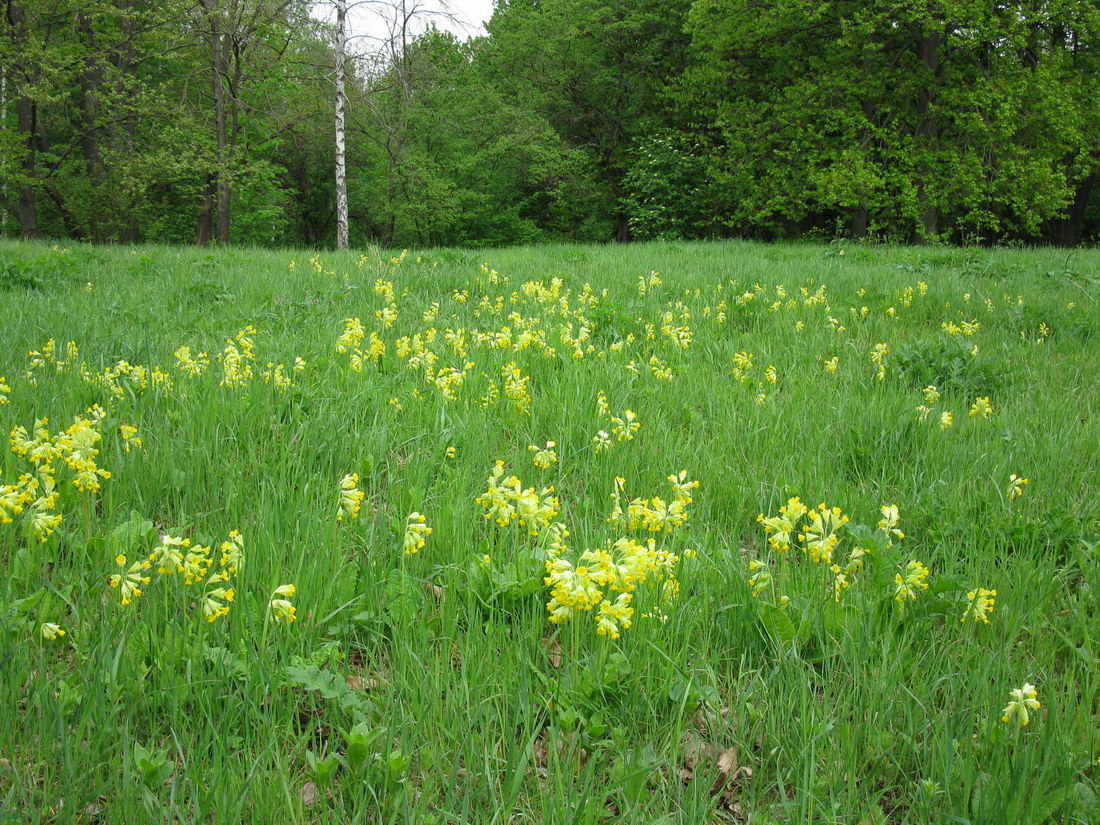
(212, 121)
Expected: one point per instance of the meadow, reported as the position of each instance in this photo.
(662, 533)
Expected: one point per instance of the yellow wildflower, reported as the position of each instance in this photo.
(279, 607)
(51, 631)
(916, 577)
(217, 598)
(1015, 487)
(168, 555)
(979, 605)
(544, 456)
(614, 617)
(416, 530)
(878, 356)
(129, 436)
(232, 558)
(1021, 700)
(981, 408)
(351, 497)
(129, 580)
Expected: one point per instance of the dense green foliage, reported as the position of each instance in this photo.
(181, 121)
(756, 686)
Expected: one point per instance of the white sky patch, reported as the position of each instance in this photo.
(374, 23)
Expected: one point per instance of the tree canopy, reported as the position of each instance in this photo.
(212, 121)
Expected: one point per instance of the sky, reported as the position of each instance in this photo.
(367, 19)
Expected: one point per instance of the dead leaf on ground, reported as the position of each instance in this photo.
(310, 794)
(552, 649)
(359, 683)
(434, 590)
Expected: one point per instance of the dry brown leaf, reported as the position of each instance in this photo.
(94, 809)
(310, 794)
(727, 762)
(552, 648)
(434, 590)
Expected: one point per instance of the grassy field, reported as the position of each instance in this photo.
(258, 494)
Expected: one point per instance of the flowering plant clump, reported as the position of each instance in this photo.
(416, 531)
(1020, 703)
(351, 497)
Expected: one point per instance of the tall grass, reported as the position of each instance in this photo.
(431, 687)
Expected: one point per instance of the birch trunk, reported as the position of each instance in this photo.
(341, 100)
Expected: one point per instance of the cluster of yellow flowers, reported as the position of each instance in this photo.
(980, 410)
(506, 500)
(175, 555)
(279, 607)
(73, 451)
(966, 328)
(915, 578)
(878, 358)
(191, 366)
(349, 343)
(604, 580)
(350, 497)
(654, 515)
(819, 539)
(1021, 701)
(1015, 487)
(623, 428)
(237, 358)
(544, 456)
(742, 371)
(416, 531)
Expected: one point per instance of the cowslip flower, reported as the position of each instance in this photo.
(915, 578)
(979, 605)
(602, 441)
(233, 553)
(279, 607)
(981, 409)
(946, 420)
(351, 497)
(129, 580)
(130, 438)
(889, 521)
(168, 555)
(614, 616)
(1021, 701)
(878, 357)
(416, 530)
(544, 456)
(216, 599)
(1015, 487)
(761, 578)
(51, 631)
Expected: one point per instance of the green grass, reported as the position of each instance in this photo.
(431, 688)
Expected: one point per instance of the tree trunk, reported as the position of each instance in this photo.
(204, 233)
(26, 117)
(341, 100)
(1066, 230)
(219, 67)
(4, 206)
(860, 219)
(26, 208)
(927, 125)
